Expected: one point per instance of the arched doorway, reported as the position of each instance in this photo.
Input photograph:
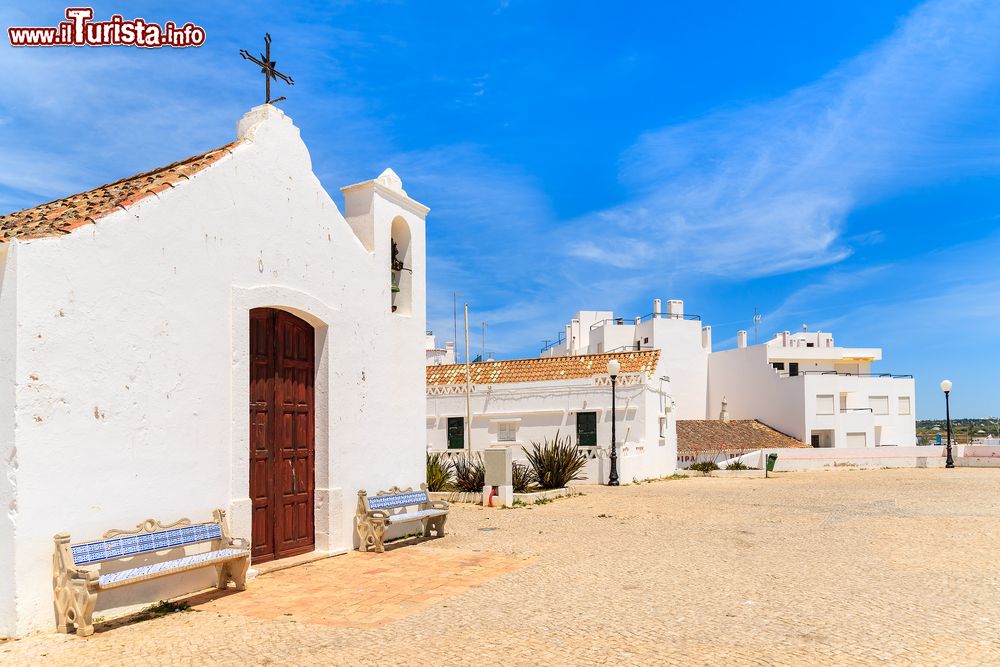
(282, 434)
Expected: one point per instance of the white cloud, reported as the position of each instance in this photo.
(767, 189)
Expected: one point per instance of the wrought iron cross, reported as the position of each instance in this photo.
(267, 69)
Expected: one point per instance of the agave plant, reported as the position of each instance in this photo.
(523, 478)
(556, 463)
(470, 472)
(439, 470)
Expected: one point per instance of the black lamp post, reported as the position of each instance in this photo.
(614, 368)
(946, 388)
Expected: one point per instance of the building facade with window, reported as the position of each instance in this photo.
(804, 385)
(801, 384)
(519, 401)
(684, 345)
(211, 334)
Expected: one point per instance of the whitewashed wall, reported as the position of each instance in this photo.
(132, 366)
(754, 390)
(684, 348)
(541, 409)
(8, 478)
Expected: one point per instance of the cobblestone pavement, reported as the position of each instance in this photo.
(847, 568)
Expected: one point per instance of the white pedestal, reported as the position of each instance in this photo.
(503, 497)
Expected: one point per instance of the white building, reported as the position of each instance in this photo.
(806, 386)
(800, 384)
(437, 355)
(519, 401)
(211, 334)
(683, 342)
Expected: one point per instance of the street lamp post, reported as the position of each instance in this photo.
(614, 368)
(946, 388)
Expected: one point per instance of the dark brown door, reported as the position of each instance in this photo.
(282, 444)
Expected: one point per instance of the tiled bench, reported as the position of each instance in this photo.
(77, 584)
(389, 508)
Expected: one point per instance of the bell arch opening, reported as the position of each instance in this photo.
(401, 268)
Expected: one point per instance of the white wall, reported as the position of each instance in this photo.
(540, 409)
(8, 453)
(684, 359)
(132, 380)
(684, 349)
(892, 429)
(790, 460)
(754, 391)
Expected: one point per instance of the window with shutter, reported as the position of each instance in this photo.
(586, 429)
(456, 433)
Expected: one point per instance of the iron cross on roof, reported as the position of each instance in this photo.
(267, 68)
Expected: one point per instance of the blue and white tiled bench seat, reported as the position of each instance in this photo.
(389, 508)
(77, 584)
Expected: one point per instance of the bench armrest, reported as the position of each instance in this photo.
(239, 542)
(437, 505)
(378, 514)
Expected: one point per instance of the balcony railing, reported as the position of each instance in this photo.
(616, 321)
(559, 341)
(619, 321)
(669, 316)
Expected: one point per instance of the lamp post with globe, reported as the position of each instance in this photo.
(946, 388)
(614, 369)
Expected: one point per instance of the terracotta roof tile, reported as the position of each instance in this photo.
(543, 368)
(736, 435)
(64, 215)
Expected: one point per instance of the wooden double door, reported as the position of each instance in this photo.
(282, 434)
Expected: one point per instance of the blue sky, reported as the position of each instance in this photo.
(835, 164)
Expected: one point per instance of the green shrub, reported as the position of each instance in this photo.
(704, 466)
(556, 463)
(523, 478)
(470, 472)
(737, 465)
(439, 470)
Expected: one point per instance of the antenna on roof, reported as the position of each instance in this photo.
(756, 321)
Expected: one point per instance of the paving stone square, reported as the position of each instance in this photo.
(846, 568)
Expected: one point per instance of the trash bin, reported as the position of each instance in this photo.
(771, 458)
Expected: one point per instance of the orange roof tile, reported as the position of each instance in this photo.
(736, 435)
(64, 215)
(543, 368)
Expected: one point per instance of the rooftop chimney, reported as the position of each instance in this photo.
(741, 339)
(675, 308)
(656, 308)
(724, 413)
(706, 338)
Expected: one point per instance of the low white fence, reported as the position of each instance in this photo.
(978, 456)
(832, 458)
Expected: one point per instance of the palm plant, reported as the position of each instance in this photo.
(439, 470)
(470, 472)
(556, 463)
(523, 477)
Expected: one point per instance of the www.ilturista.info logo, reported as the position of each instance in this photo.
(80, 30)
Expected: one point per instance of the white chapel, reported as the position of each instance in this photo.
(215, 333)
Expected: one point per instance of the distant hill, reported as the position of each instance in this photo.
(962, 430)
